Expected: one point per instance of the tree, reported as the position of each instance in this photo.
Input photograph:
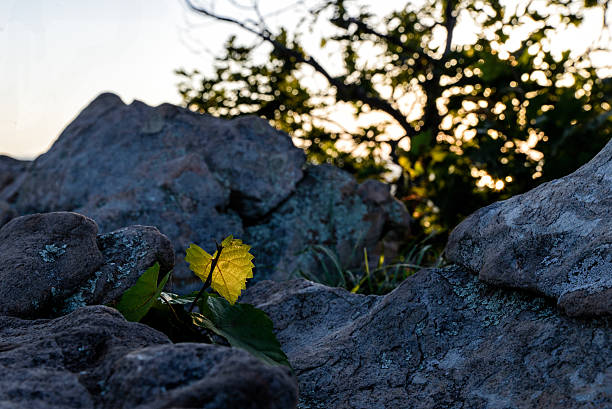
(482, 117)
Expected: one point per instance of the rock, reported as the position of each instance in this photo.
(127, 253)
(11, 171)
(6, 213)
(193, 176)
(441, 339)
(199, 179)
(555, 239)
(53, 263)
(196, 376)
(331, 209)
(93, 358)
(63, 363)
(42, 258)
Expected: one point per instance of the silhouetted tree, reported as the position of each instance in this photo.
(480, 119)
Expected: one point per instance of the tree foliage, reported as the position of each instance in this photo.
(463, 119)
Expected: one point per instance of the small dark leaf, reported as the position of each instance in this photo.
(168, 315)
(138, 299)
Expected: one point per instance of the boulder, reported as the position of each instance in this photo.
(93, 358)
(329, 208)
(127, 253)
(555, 239)
(53, 263)
(193, 176)
(199, 179)
(441, 339)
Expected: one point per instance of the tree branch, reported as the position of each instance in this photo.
(449, 24)
(346, 92)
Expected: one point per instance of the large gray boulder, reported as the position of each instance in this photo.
(93, 358)
(190, 175)
(199, 179)
(441, 339)
(146, 154)
(53, 263)
(555, 239)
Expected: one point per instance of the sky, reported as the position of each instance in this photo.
(58, 55)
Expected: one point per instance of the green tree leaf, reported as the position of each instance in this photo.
(138, 299)
(232, 270)
(243, 326)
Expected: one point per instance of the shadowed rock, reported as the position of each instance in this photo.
(53, 263)
(63, 363)
(330, 208)
(93, 358)
(555, 239)
(6, 212)
(196, 376)
(43, 258)
(11, 171)
(441, 339)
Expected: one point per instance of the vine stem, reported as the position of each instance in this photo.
(208, 281)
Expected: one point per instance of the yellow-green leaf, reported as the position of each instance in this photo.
(232, 270)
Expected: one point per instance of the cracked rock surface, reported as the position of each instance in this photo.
(441, 339)
(198, 179)
(555, 239)
(93, 358)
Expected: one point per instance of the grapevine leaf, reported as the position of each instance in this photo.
(243, 326)
(232, 270)
(138, 299)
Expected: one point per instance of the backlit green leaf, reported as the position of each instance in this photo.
(138, 299)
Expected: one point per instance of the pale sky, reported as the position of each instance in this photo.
(57, 55)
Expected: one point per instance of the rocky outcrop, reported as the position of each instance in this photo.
(199, 179)
(441, 339)
(53, 263)
(555, 239)
(93, 358)
(192, 176)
